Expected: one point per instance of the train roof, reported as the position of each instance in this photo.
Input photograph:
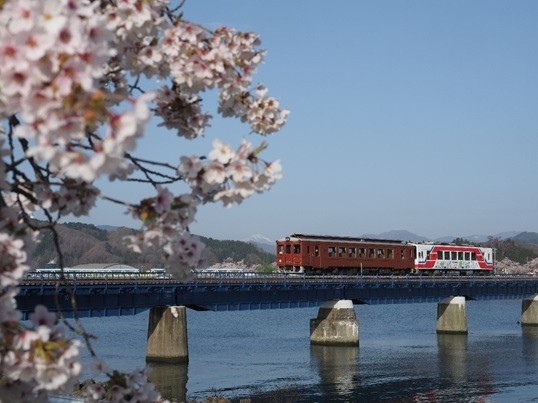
(339, 238)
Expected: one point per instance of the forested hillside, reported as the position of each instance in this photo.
(219, 251)
(516, 251)
(86, 243)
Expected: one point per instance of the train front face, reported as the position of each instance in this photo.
(289, 255)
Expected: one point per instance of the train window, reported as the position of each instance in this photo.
(331, 250)
(341, 251)
(428, 255)
(390, 253)
(288, 248)
(316, 250)
(440, 255)
(280, 249)
(381, 253)
(402, 254)
(467, 255)
(473, 256)
(454, 255)
(296, 248)
(362, 252)
(308, 249)
(460, 255)
(352, 252)
(371, 252)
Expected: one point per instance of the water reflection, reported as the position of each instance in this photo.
(452, 354)
(338, 368)
(464, 374)
(170, 379)
(530, 344)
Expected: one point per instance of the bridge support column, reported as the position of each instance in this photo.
(167, 334)
(529, 311)
(336, 325)
(451, 316)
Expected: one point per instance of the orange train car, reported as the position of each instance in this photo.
(319, 254)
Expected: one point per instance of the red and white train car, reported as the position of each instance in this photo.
(321, 254)
(447, 258)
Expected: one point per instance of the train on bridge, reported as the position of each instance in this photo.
(321, 254)
(97, 271)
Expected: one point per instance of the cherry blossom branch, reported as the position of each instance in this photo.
(79, 81)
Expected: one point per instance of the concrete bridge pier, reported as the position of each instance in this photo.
(529, 311)
(451, 316)
(335, 325)
(167, 334)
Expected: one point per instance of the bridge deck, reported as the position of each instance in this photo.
(129, 296)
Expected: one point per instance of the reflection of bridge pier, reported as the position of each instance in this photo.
(338, 367)
(452, 350)
(170, 379)
(530, 343)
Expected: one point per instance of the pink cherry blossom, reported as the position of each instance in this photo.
(75, 104)
(42, 316)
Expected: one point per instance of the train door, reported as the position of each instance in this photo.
(288, 255)
(307, 253)
(315, 256)
(284, 254)
(296, 249)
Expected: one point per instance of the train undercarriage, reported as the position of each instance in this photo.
(370, 271)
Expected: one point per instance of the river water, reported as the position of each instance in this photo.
(266, 355)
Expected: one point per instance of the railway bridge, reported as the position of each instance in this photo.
(335, 295)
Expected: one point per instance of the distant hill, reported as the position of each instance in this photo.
(401, 235)
(86, 243)
(262, 242)
(107, 227)
(404, 235)
(484, 238)
(526, 237)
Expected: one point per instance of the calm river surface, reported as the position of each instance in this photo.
(266, 355)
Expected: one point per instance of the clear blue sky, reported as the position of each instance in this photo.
(417, 115)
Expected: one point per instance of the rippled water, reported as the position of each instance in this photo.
(266, 354)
